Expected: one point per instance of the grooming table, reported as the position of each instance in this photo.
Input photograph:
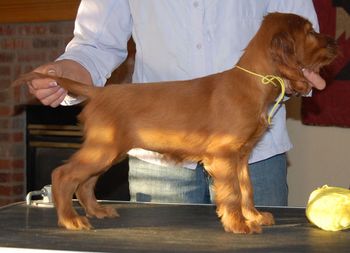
(162, 228)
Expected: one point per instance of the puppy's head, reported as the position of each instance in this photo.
(295, 45)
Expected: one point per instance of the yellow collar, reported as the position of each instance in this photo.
(270, 79)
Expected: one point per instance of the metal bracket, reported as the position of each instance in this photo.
(46, 195)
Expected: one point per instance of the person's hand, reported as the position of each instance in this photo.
(46, 90)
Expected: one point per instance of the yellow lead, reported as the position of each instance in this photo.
(269, 79)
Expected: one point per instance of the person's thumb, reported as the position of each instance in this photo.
(51, 69)
(51, 72)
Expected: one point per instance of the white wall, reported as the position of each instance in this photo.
(321, 155)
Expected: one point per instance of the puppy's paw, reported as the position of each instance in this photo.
(75, 223)
(266, 219)
(262, 218)
(102, 212)
(236, 223)
(244, 227)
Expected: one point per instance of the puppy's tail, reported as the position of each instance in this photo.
(73, 87)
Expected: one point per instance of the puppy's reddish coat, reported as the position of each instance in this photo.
(216, 119)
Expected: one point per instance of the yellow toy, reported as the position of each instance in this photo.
(329, 208)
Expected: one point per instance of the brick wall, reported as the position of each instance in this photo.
(22, 48)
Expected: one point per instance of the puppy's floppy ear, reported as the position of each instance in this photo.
(284, 56)
(282, 47)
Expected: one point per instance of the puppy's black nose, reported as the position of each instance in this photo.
(332, 45)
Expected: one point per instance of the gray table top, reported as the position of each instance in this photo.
(163, 228)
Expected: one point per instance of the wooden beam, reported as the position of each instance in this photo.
(20, 11)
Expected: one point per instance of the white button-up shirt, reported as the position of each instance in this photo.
(177, 40)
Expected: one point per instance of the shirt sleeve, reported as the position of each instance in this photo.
(102, 30)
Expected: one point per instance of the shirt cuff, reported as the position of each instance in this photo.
(69, 100)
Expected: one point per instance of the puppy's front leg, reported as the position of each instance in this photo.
(228, 196)
(86, 196)
(248, 207)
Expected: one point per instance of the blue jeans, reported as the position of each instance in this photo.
(174, 184)
(269, 179)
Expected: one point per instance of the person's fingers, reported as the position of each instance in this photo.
(52, 68)
(59, 100)
(51, 72)
(41, 94)
(51, 97)
(315, 80)
(43, 83)
(47, 91)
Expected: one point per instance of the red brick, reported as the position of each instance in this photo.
(4, 123)
(11, 177)
(17, 122)
(5, 164)
(15, 43)
(4, 84)
(5, 190)
(61, 28)
(17, 164)
(53, 55)
(11, 164)
(18, 97)
(31, 56)
(16, 94)
(45, 43)
(8, 30)
(5, 71)
(32, 29)
(5, 177)
(11, 137)
(17, 69)
(4, 95)
(11, 190)
(12, 150)
(24, 67)
(4, 137)
(18, 177)
(6, 57)
(17, 137)
(13, 122)
(6, 110)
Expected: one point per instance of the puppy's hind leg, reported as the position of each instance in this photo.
(62, 191)
(91, 160)
(86, 196)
